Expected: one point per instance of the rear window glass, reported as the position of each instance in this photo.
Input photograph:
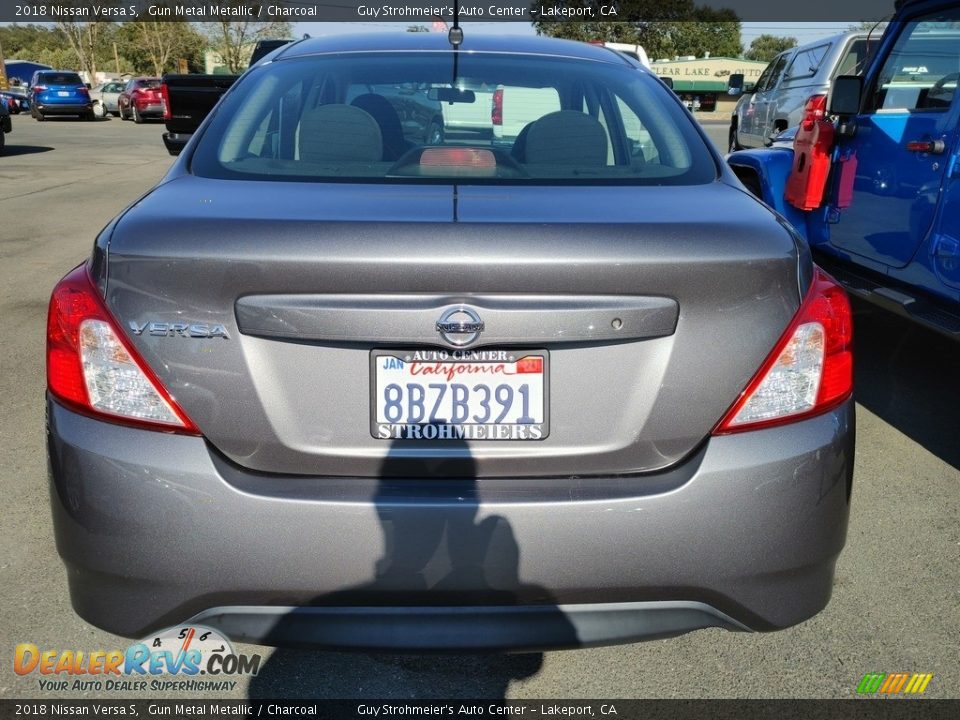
(60, 79)
(806, 63)
(414, 117)
(148, 84)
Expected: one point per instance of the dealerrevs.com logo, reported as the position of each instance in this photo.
(198, 658)
(898, 683)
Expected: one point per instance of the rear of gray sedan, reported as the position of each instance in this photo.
(326, 385)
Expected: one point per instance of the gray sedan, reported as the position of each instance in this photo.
(328, 384)
(104, 98)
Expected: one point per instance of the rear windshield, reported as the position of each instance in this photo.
(148, 84)
(60, 79)
(416, 117)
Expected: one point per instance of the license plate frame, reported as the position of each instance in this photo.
(472, 431)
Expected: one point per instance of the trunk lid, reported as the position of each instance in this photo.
(702, 280)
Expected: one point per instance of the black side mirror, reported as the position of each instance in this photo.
(735, 84)
(668, 81)
(845, 94)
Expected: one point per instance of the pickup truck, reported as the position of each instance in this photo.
(188, 99)
(885, 217)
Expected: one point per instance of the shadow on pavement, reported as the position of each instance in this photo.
(442, 556)
(13, 150)
(910, 378)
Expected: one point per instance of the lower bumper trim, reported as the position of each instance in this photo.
(463, 628)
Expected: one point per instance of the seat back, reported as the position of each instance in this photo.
(566, 137)
(339, 132)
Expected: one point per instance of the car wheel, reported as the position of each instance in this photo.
(39, 116)
(100, 110)
(136, 116)
(121, 113)
(734, 144)
(435, 133)
(3, 141)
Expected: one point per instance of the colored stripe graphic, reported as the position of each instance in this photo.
(871, 683)
(894, 683)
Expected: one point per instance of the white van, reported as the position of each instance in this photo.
(514, 107)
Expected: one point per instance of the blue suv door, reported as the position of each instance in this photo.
(906, 138)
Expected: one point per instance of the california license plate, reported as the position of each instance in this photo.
(63, 93)
(459, 394)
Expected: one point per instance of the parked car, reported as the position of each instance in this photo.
(105, 98)
(516, 107)
(59, 92)
(5, 124)
(776, 101)
(882, 180)
(16, 98)
(555, 395)
(420, 117)
(188, 98)
(140, 100)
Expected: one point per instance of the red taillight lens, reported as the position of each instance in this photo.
(165, 99)
(810, 370)
(39, 88)
(496, 110)
(814, 110)
(83, 90)
(93, 369)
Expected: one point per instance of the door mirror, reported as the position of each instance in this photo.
(668, 81)
(845, 94)
(735, 84)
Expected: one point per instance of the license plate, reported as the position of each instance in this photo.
(438, 395)
(63, 93)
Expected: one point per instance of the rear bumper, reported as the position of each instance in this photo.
(54, 108)
(150, 109)
(155, 529)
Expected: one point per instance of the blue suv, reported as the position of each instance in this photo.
(888, 224)
(59, 92)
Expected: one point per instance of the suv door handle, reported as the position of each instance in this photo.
(934, 147)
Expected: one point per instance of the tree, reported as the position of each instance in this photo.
(234, 40)
(153, 47)
(84, 40)
(766, 47)
(665, 28)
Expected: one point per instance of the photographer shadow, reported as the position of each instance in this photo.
(437, 552)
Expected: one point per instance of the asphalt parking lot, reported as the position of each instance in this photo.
(896, 603)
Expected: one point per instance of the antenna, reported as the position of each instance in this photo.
(455, 36)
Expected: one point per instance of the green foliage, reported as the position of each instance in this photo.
(234, 40)
(665, 28)
(767, 47)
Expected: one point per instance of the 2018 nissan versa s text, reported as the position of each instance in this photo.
(329, 385)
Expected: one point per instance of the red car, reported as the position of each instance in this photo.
(141, 99)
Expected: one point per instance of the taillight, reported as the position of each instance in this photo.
(39, 88)
(92, 369)
(165, 99)
(810, 370)
(496, 110)
(814, 110)
(83, 90)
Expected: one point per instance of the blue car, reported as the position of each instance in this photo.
(5, 125)
(59, 92)
(888, 225)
